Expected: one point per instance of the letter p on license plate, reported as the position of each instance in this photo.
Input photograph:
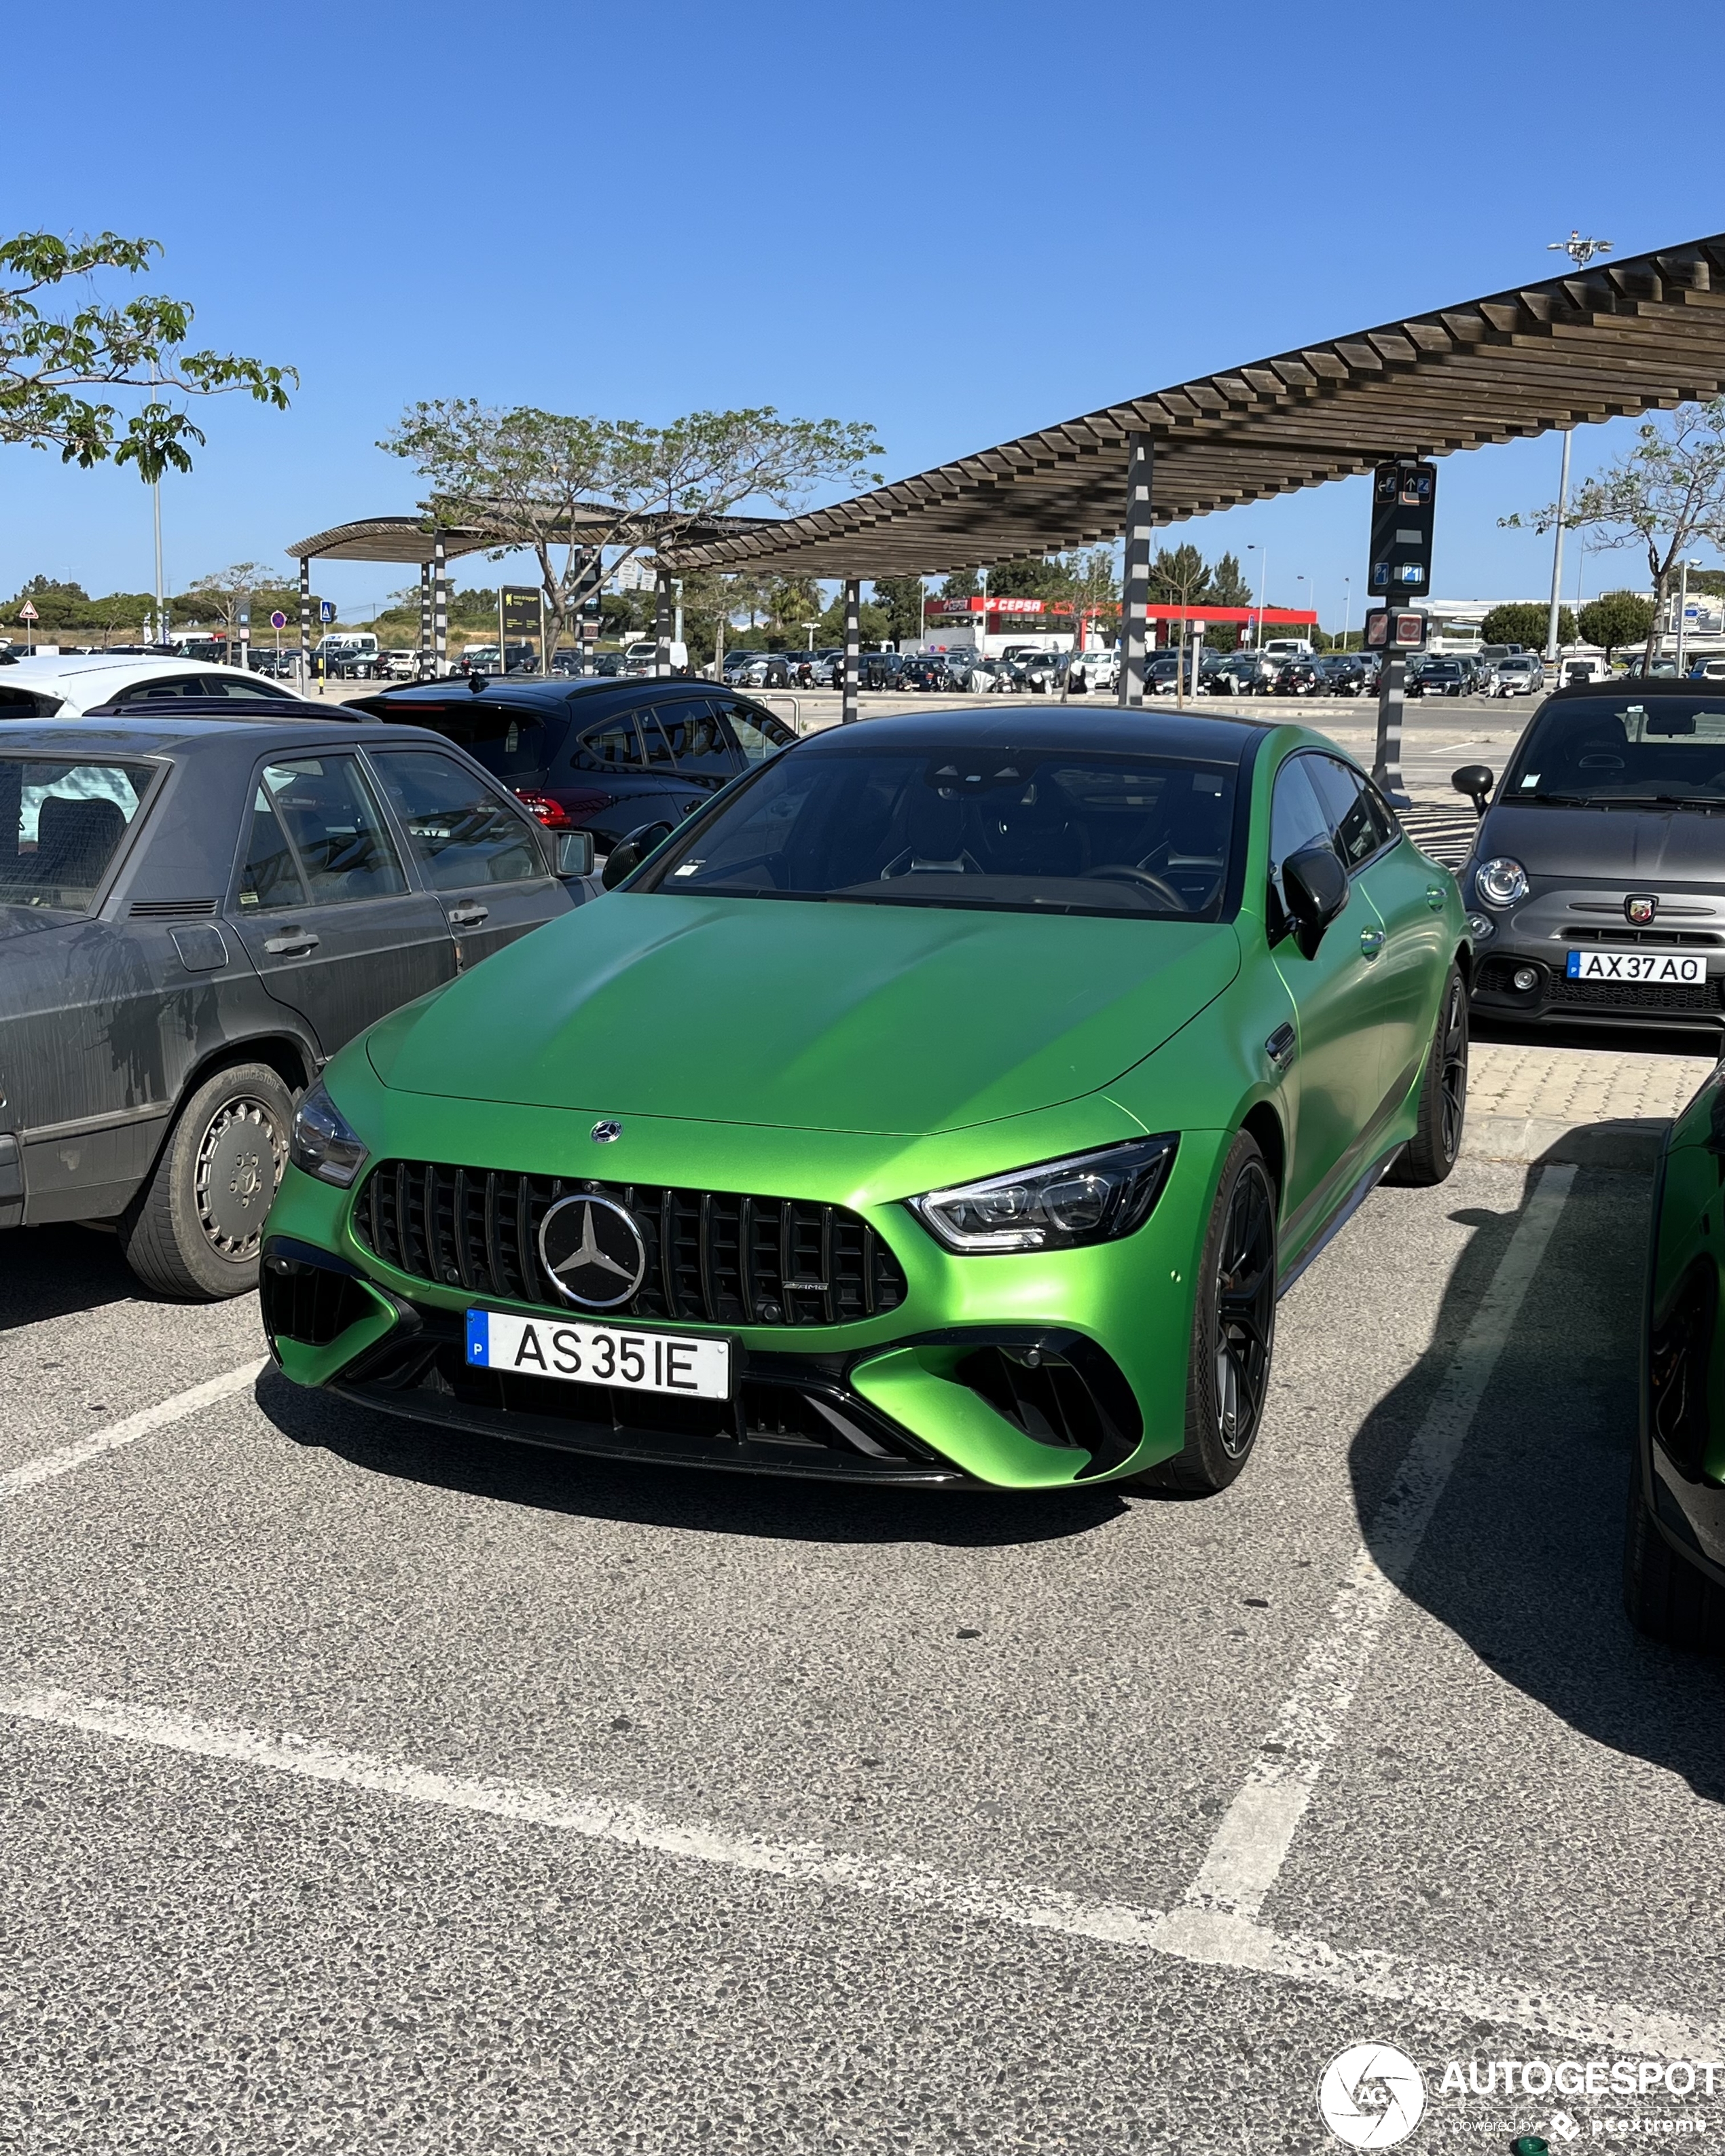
(1641, 968)
(684, 1364)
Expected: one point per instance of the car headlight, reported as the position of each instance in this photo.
(1501, 881)
(324, 1144)
(1091, 1198)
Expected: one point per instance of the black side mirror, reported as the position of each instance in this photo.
(623, 860)
(1476, 781)
(574, 851)
(1314, 885)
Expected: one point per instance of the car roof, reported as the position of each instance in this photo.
(39, 667)
(1625, 685)
(453, 693)
(160, 736)
(1114, 732)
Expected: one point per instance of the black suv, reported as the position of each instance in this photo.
(597, 754)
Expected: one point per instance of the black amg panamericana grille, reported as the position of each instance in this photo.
(712, 1257)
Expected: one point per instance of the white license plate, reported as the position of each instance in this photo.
(1657, 969)
(584, 1354)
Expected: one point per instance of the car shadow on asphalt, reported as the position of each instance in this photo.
(51, 1272)
(1522, 1561)
(710, 1501)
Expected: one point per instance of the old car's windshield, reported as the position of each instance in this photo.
(1622, 749)
(61, 824)
(1026, 829)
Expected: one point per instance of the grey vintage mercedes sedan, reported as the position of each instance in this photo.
(196, 909)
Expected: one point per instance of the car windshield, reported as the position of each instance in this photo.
(61, 825)
(1615, 748)
(1025, 829)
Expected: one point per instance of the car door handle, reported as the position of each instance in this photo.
(291, 943)
(1371, 942)
(468, 916)
(1281, 1046)
(1435, 896)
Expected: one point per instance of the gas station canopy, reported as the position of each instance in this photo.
(1644, 332)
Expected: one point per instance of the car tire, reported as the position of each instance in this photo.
(193, 1231)
(1664, 1597)
(1232, 1332)
(1435, 1146)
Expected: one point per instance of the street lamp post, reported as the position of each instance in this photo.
(1557, 553)
(1347, 608)
(1683, 608)
(1263, 555)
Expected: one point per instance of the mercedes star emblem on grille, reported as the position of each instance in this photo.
(592, 1251)
(603, 1132)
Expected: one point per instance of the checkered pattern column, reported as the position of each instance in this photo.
(440, 608)
(425, 616)
(662, 621)
(305, 619)
(1135, 582)
(848, 708)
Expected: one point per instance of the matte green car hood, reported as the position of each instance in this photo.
(809, 1016)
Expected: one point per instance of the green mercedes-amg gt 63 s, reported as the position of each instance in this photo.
(946, 1102)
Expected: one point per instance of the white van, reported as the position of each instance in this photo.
(346, 650)
(1288, 647)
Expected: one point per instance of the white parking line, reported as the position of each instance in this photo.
(117, 1433)
(1250, 1847)
(1576, 2017)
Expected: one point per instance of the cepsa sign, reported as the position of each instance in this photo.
(962, 609)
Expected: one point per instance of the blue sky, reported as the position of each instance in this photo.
(957, 224)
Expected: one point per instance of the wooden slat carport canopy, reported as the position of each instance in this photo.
(1646, 332)
(415, 538)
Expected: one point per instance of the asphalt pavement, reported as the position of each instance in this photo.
(367, 1789)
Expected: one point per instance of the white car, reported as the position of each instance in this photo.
(1524, 675)
(1099, 670)
(46, 687)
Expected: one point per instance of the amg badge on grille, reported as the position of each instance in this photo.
(594, 1251)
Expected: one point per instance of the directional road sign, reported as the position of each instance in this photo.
(327, 609)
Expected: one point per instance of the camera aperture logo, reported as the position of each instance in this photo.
(1371, 2096)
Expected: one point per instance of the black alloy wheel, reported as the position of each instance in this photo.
(1441, 1118)
(1233, 1330)
(1244, 1310)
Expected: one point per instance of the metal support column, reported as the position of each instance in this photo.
(848, 708)
(662, 623)
(1387, 765)
(439, 609)
(1135, 582)
(424, 617)
(304, 622)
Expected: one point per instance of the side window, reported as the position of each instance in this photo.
(459, 832)
(611, 745)
(1357, 824)
(335, 828)
(153, 692)
(225, 684)
(758, 736)
(1298, 819)
(270, 875)
(697, 740)
(653, 742)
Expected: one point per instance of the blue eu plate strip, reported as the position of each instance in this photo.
(479, 1336)
(1573, 969)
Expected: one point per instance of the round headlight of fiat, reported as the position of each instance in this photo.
(1501, 881)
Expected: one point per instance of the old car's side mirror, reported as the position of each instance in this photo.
(1314, 885)
(623, 860)
(1476, 781)
(574, 850)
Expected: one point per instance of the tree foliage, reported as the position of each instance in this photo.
(1180, 576)
(1525, 622)
(48, 360)
(900, 599)
(1663, 496)
(1228, 584)
(1614, 619)
(559, 486)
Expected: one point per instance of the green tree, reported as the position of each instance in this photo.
(1228, 585)
(219, 593)
(1524, 622)
(1180, 577)
(1035, 579)
(1664, 494)
(899, 599)
(1614, 619)
(557, 485)
(47, 360)
(961, 584)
